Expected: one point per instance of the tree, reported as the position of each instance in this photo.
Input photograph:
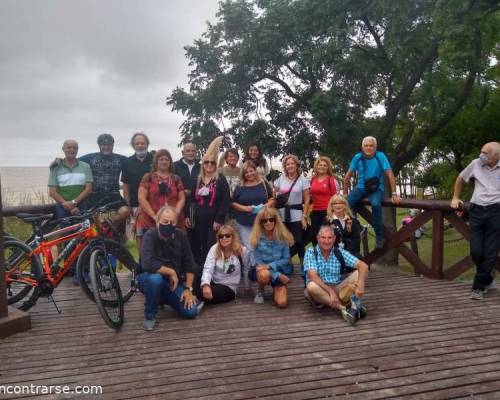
(306, 74)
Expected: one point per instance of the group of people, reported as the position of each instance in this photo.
(202, 226)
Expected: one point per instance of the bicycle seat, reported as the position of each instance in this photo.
(32, 218)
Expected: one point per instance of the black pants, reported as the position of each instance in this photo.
(203, 235)
(317, 219)
(220, 294)
(484, 224)
(298, 247)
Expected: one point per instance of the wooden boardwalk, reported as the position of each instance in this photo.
(422, 339)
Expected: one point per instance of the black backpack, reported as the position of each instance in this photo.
(344, 269)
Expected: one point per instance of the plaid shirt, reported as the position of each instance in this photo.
(328, 270)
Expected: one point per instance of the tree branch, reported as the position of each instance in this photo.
(378, 40)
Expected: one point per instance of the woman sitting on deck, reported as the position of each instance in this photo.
(271, 243)
(222, 270)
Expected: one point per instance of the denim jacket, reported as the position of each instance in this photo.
(274, 253)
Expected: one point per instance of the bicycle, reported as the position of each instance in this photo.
(32, 267)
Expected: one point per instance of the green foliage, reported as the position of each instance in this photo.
(303, 76)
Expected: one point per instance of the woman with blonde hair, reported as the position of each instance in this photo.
(210, 203)
(271, 241)
(323, 187)
(249, 197)
(347, 228)
(291, 192)
(226, 260)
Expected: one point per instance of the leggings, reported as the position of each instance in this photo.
(298, 247)
(220, 294)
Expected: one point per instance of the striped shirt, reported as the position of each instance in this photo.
(70, 182)
(328, 270)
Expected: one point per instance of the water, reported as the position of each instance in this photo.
(24, 185)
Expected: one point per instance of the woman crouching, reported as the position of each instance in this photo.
(271, 241)
(226, 259)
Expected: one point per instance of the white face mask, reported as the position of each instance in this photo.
(141, 153)
(484, 158)
(204, 191)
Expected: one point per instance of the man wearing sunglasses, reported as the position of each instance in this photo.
(334, 277)
(168, 269)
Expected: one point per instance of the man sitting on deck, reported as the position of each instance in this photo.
(325, 283)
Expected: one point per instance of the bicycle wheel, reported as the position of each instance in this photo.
(20, 266)
(125, 269)
(106, 289)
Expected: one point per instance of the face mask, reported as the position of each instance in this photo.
(141, 153)
(166, 229)
(484, 158)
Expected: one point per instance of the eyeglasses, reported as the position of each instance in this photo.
(207, 162)
(266, 220)
(225, 236)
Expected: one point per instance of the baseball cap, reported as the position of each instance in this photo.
(105, 138)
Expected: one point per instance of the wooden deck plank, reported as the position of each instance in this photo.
(420, 338)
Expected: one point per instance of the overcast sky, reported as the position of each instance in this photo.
(77, 68)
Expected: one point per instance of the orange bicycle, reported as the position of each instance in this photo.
(32, 268)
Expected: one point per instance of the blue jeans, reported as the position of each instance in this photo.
(375, 200)
(156, 287)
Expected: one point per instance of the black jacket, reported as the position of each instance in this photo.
(351, 240)
(173, 252)
(188, 179)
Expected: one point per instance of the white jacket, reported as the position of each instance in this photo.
(228, 273)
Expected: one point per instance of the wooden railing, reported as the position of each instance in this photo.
(438, 211)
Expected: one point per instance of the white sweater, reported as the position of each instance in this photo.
(222, 273)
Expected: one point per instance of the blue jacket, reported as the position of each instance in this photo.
(274, 253)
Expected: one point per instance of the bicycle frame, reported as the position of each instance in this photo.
(43, 251)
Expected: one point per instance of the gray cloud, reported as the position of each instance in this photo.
(79, 68)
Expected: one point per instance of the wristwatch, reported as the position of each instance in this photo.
(188, 288)
(74, 202)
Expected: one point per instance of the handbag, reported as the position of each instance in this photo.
(282, 198)
(371, 184)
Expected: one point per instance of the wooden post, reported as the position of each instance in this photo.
(11, 319)
(437, 244)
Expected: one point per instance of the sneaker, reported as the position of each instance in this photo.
(477, 294)
(358, 305)
(379, 242)
(259, 298)
(200, 306)
(350, 315)
(148, 324)
(75, 280)
(491, 286)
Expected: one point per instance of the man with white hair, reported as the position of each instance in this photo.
(334, 277)
(484, 215)
(370, 166)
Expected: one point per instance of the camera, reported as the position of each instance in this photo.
(164, 189)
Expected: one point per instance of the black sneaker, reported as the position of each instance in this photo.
(350, 315)
(358, 305)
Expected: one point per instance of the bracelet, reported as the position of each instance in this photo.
(394, 193)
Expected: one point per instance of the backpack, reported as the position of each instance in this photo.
(344, 269)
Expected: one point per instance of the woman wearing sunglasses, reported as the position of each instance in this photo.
(347, 228)
(271, 241)
(159, 188)
(222, 270)
(211, 203)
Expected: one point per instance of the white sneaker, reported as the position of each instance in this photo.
(491, 286)
(259, 298)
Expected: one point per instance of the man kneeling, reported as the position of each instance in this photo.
(326, 282)
(168, 269)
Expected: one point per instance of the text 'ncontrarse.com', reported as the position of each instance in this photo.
(49, 389)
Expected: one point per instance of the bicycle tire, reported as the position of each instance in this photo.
(126, 276)
(19, 263)
(106, 289)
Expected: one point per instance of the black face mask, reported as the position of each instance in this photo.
(166, 229)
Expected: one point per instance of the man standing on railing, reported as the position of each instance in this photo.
(70, 181)
(371, 165)
(484, 215)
